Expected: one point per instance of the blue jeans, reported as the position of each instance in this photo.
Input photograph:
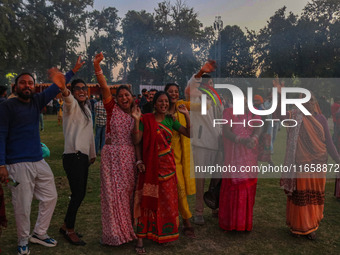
(100, 138)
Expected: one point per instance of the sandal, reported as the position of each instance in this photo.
(189, 232)
(140, 249)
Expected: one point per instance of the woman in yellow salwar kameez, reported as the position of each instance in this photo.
(184, 161)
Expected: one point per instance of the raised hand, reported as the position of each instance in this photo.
(98, 58)
(136, 112)
(57, 77)
(182, 109)
(209, 66)
(78, 65)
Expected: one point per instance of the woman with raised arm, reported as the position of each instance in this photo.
(156, 198)
(79, 151)
(118, 162)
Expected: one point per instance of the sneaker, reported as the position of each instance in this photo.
(48, 241)
(23, 250)
(199, 220)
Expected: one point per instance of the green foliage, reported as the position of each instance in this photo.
(306, 46)
(106, 38)
(236, 57)
(160, 47)
(10, 78)
(169, 44)
(37, 34)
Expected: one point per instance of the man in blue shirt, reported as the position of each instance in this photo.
(21, 156)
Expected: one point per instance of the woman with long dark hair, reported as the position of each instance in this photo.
(79, 152)
(183, 158)
(118, 162)
(156, 198)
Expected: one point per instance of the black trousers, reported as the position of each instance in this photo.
(76, 166)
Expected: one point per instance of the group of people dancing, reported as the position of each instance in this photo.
(135, 141)
(146, 167)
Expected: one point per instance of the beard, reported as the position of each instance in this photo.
(24, 96)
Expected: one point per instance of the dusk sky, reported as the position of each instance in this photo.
(244, 13)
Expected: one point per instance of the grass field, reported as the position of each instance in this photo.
(270, 235)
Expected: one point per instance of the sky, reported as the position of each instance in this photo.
(252, 14)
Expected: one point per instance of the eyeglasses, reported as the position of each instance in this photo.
(76, 88)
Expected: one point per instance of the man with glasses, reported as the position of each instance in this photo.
(21, 157)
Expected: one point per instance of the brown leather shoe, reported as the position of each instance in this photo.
(73, 238)
(63, 232)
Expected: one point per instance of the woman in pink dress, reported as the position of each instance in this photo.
(117, 163)
(237, 195)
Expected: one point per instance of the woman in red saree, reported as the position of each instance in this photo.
(237, 194)
(156, 198)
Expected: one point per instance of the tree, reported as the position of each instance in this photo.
(275, 46)
(11, 37)
(105, 39)
(319, 52)
(164, 46)
(39, 34)
(70, 16)
(236, 57)
(138, 31)
(177, 31)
